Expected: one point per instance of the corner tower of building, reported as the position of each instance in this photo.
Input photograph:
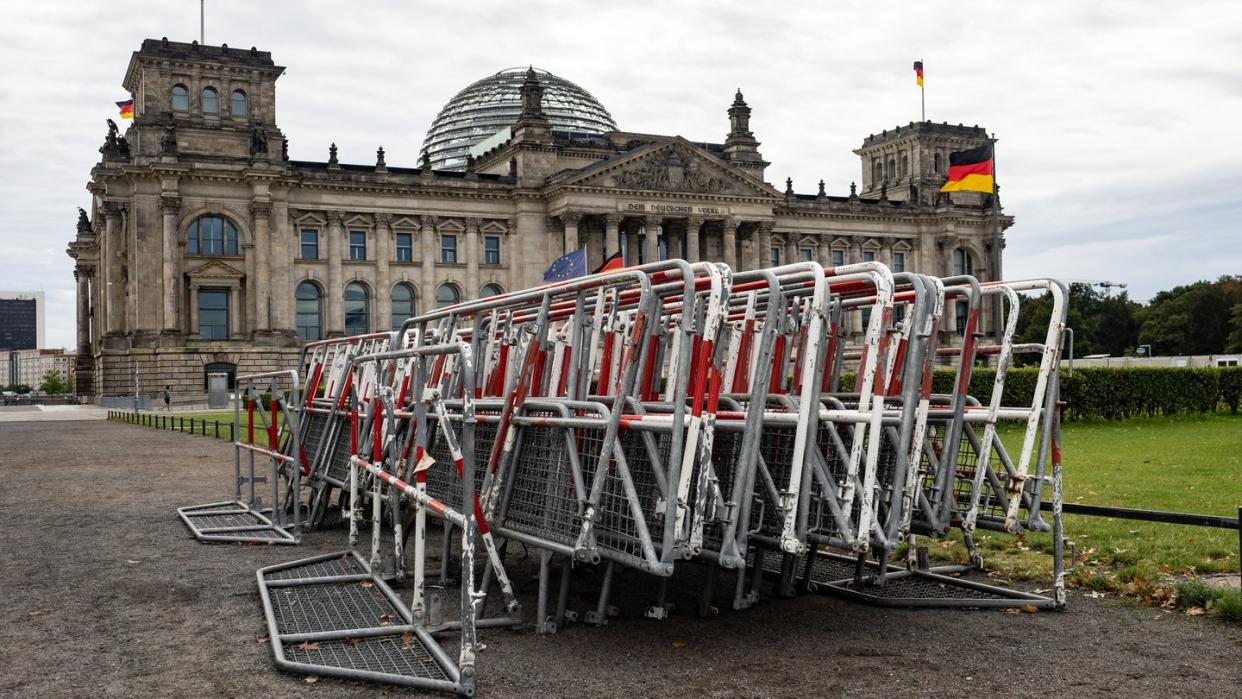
(910, 163)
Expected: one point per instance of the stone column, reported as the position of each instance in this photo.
(114, 283)
(260, 284)
(825, 251)
(765, 242)
(570, 220)
(84, 310)
(532, 236)
(383, 280)
(693, 225)
(284, 243)
(554, 239)
(427, 275)
(170, 206)
(651, 239)
(252, 299)
(631, 244)
(235, 326)
(473, 250)
(193, 329)
(612, 234)
(729, 243)
(672, 242)
(334, 323)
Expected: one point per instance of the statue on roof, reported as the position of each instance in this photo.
(84, 221)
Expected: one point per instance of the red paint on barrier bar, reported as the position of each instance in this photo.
(353, 432)
(830, 357)
(882, 353)
(605, 365)
(349, 380)
(249, 421)
(648, 391)
(741, 374)
(376, 424)
(778, 366)
(894, 384)
(968, 352)
(314, 384)
(271, 426)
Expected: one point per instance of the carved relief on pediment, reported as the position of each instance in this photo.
(671, 170)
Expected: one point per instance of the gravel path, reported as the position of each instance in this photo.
(105, 592)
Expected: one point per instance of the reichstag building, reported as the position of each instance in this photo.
(206, 248)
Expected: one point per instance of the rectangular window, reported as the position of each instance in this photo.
(838, 258)
(962, 315)
(899, 262)
(357, 245)
(776, 256)
(806, 254)
(310, 244)
(213, 314)
(868, 256)
(491, 250)
(448, 249)
(405, 247)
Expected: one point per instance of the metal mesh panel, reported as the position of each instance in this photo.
(329, 607)
(776, 449)
(921, 587)
(616, 528)
(542, 501)
(313, 427)
(346, 565)
(394, 655)
(442, 481)
(200, 522)
(338, 460)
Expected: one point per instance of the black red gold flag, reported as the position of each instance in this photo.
(612, 264)
(970, 171)
(918, 72)
(127, 109)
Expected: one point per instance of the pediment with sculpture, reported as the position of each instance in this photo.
(675, 166)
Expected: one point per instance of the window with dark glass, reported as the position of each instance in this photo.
(180, 99)
(211, 235)
(962, 264)
(491, 250)
(806, 254)
(237, 104)
(962, 313)
(309, 305)
(357, 310)
(868, 256)
(448, 249)
(838, 258)
(776, 255)
(447, 295)
(405, 247)
(490, 290)
(357, 245)
(211, 101)
(310, 244)
(899, 262)
(213, 314)
(402, 304)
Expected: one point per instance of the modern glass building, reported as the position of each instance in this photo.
(21, 320)
(494, 103)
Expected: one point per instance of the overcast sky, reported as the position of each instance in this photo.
(1120, 123)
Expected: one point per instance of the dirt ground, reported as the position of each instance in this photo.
(106, 593)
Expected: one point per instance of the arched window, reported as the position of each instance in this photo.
(891, 172)
(357, 309)
(402, 304)
(180, 98)
(211, 235)
(962, 263)
(310, 317)
(237, 105)
(447, 295)
(877, 171)
(905, 166)
(490, 290)
(211, 101)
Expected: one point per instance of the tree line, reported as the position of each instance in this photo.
(1200, 318)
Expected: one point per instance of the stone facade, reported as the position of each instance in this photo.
(206, 245)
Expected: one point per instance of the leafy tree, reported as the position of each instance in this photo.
(1235, 337)
(53, 382)
(1192, 319)
(18, 388)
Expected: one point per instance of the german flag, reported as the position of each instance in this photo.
(612, 264)
(918, 72)
(127, 109)
(970, 171)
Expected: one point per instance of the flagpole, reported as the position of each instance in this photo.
(202, 15)
(996, 245)
(922, 99)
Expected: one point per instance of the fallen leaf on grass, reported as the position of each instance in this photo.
(1196, 611)
(311, 679)
(308, 645)
(679, 644)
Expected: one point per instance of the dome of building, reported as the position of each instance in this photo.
(494, 103)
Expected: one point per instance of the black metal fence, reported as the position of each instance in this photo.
(179, 423)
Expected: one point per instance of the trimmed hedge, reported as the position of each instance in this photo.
(1113, 394)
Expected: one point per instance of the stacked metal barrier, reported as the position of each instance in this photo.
(670, 416)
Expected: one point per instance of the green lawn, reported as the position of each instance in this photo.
(1184, 464)
(205, 423)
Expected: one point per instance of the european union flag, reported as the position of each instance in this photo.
(567, 266)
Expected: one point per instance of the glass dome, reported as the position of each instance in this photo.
(494, 103)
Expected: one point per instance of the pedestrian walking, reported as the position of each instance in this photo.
(168, 398)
